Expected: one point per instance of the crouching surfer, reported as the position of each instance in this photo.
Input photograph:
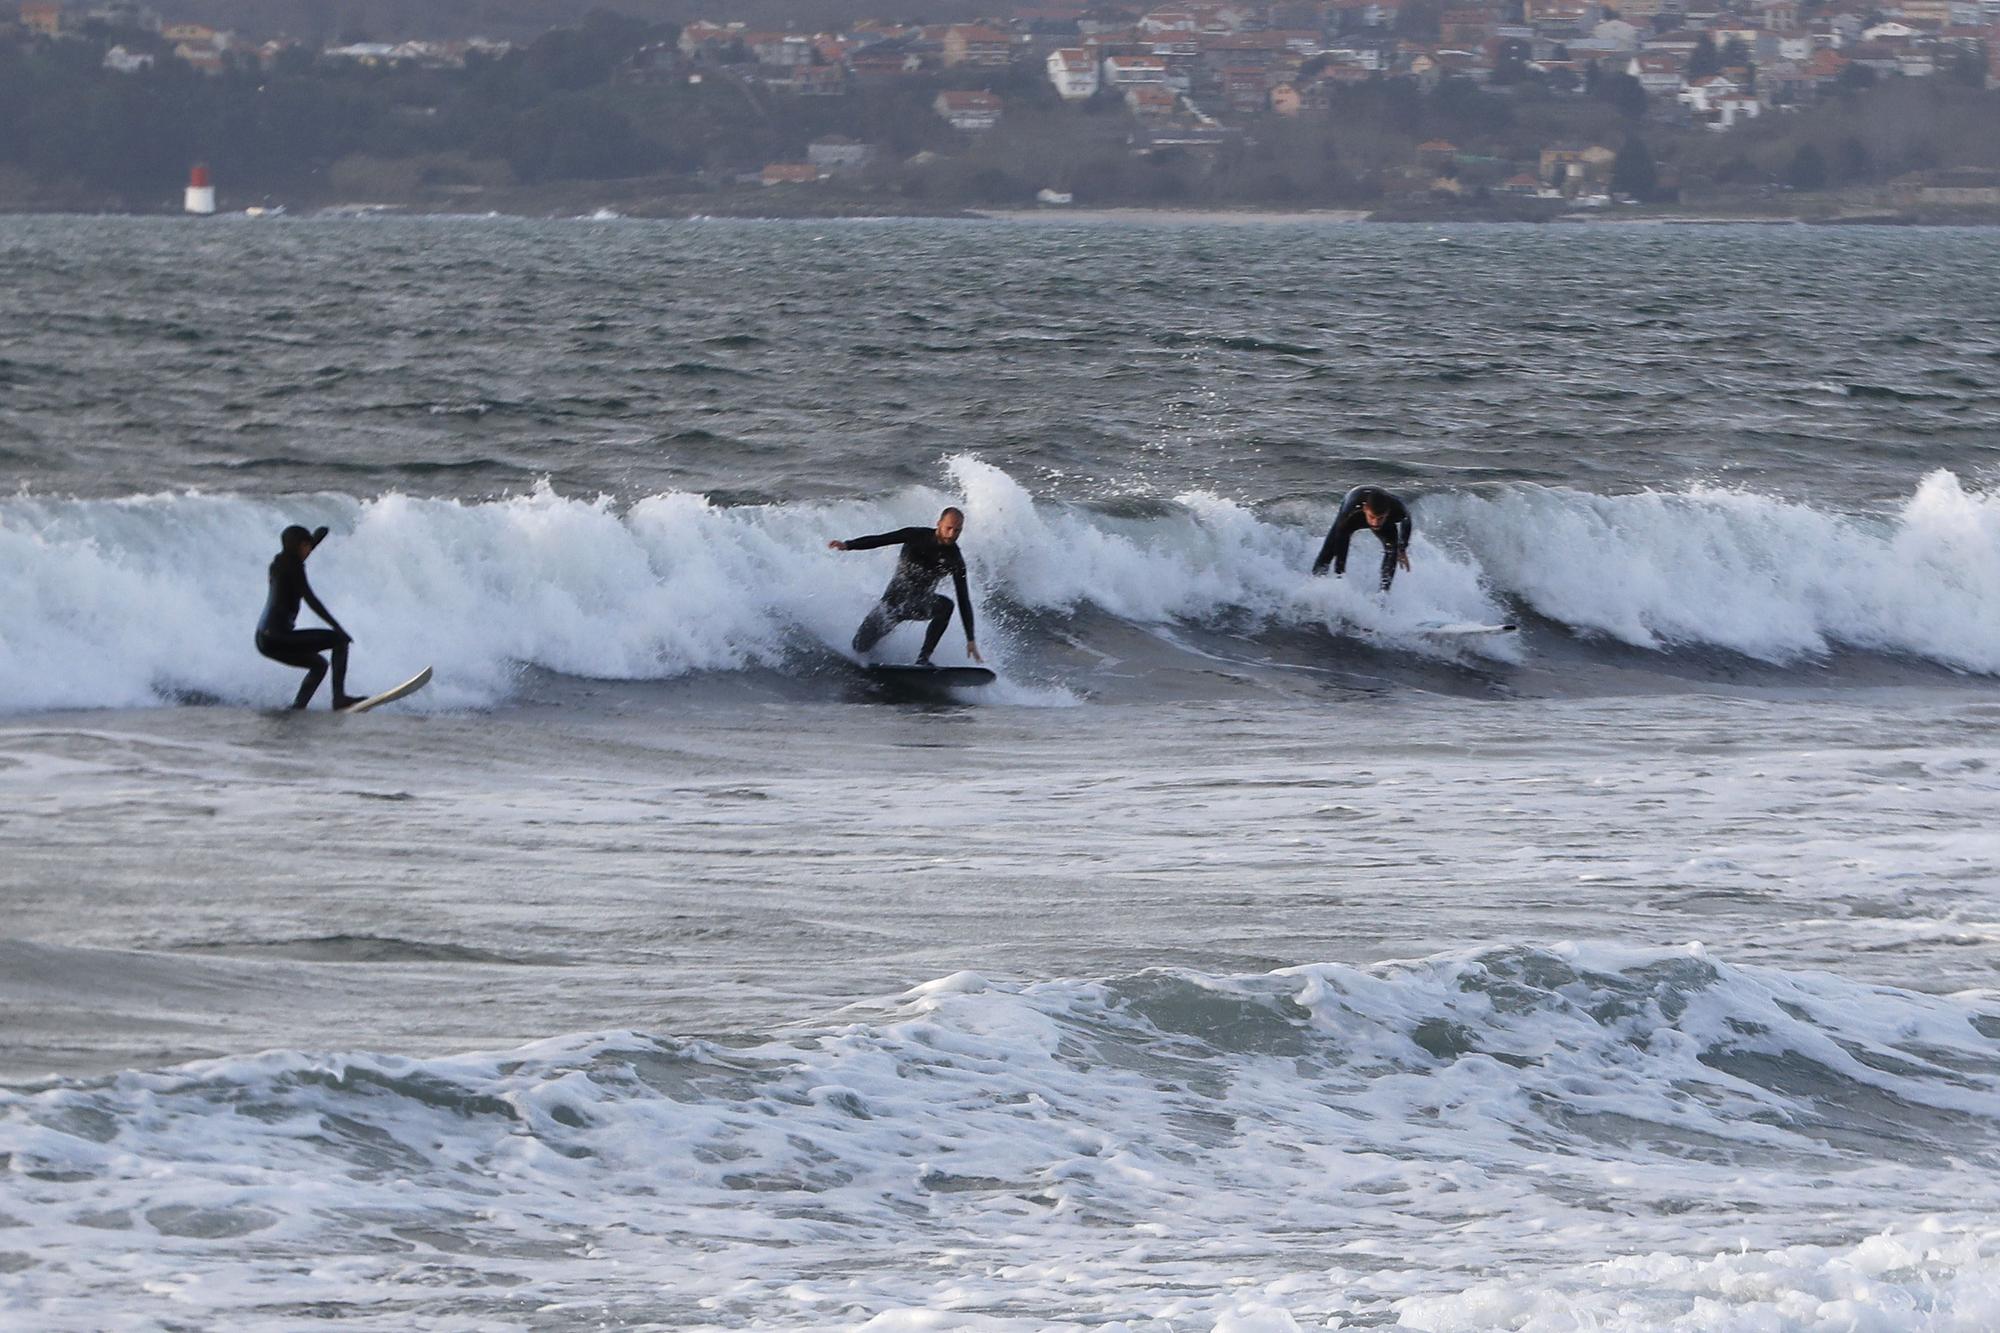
(928, 555)
(278, 637)
(1380, 512)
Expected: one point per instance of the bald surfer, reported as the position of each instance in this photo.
(1380, 512)
(278, 635)
(928, 555)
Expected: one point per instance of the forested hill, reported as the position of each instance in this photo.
(613, 99)
(320, 21)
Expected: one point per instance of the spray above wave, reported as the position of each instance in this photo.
(1062, 1140)
(124, 603)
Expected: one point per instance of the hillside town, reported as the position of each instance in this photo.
(1212, 82)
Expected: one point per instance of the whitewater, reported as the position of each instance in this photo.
(138, 601)
(1088, 1155)
(1250, 958)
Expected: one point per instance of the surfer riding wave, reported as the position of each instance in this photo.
(278, 637)
(928, 555)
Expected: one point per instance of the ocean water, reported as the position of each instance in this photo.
(1247, 959)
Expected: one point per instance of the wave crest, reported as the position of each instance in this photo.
(129, 602)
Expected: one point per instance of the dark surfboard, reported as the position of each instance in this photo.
(935, 677)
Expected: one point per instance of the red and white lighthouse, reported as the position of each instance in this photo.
(200, 194)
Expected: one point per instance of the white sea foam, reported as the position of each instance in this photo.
(1929, 1278)
(1771, 578)
(1166, 1150)
(128, 602)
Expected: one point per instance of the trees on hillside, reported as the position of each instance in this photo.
(1633, 172)
(570, 106)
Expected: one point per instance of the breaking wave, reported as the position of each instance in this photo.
(1082, 1148)
(135, 601)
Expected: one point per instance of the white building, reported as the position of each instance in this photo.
(1617, 35)
(1658, 72)
(837, 152)
(1125, 71)
(1719, 102)
(973, 112)
(121, 61)
(1073, 73)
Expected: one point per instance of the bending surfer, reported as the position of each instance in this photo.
(1380, 512)
(278, 637)
(928, 555)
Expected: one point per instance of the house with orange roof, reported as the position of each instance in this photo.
(1825, 66)
(972, 112)
(893, 57)
(1074, 74)
(1436, 153)
(1125, 71)
(1660, 73)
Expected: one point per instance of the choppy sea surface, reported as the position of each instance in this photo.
(1249, 958)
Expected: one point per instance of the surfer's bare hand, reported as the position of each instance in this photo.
(836, 546)
(972, 651)
(1403, 559)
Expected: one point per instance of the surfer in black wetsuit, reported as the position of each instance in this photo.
(928, 555)
(279, 639)
(1375, 509)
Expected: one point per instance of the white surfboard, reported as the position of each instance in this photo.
(1466, 627)
(410, 686)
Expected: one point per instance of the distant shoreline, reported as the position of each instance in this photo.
(686, 210)
(1157, 216)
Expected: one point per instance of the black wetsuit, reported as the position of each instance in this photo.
(280, 640)
(911, 592)
(1394, 532)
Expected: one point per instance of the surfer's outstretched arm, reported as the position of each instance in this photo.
(896, 538)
